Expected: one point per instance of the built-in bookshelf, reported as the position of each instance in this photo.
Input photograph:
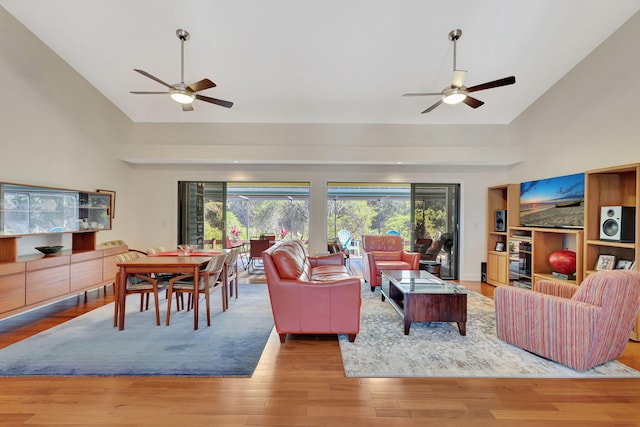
(614, 186)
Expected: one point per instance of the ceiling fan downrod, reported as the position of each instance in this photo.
(183, 35)
(454, 35)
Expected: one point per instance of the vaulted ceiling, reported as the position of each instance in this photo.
(330, 61)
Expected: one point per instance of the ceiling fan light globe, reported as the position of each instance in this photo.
(182, 96)
(454, 96)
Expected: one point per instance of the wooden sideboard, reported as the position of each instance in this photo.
(35, 280)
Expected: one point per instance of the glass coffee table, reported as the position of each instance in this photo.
(419, 296)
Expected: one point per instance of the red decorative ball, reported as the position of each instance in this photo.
(563, 262)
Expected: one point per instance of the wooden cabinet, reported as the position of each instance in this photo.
(86, 270)
(40, 279)
(500, 198)
(614, 186)
(497, 269)
(519, 255)
(12, 286)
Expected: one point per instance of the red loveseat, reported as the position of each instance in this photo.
(311, 295)
(385, 252)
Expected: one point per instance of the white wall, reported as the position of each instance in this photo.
(57, 130)
(590, 118)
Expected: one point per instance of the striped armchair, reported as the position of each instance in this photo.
(577, 326)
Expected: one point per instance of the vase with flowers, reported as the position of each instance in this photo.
(235, 233)
(283, 232)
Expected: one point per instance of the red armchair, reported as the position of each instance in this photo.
(577, 326)
(385, 252)
(311, 295)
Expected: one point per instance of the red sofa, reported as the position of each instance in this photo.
(385, 252)
(311, 295)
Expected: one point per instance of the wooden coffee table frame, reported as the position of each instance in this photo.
(425, 307)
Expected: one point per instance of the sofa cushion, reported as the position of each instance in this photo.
(387, 256)
(326, 273)
(288, 261)
(393, 265)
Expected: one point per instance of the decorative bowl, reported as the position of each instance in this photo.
(48, 250)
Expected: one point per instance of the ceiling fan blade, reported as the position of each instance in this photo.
(422, 94)
(220, 102)
(201, 85)
(138, 92)
(433, 107)
(187, 107)
(144, 73)
(472, 102)
(458, 78)
(496, 83)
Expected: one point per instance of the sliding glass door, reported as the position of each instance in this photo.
(201, 213)
(435, 215)
(221, 214)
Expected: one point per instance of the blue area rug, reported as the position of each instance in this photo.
(438, 350)
(89, 345)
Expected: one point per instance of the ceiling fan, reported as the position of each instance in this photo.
(458, 92)
(180, 92)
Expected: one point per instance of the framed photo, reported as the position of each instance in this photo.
(499, 247)
(624, 264)
(112, 208)
(605, 262)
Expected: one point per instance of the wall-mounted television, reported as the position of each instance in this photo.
(553, 202)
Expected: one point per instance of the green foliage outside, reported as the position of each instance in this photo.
(359, 217)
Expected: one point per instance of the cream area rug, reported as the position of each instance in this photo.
(438, 350)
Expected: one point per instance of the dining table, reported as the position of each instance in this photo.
(155, 265)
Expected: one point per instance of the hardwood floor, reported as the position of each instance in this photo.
(301, 383)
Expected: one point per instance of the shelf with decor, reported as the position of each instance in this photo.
(27, 210)
(611, 187)
(502, 212)
(564, 244)
(611, 220)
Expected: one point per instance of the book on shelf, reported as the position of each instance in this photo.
(563, 276)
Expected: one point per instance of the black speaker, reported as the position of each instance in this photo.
(618, 223)
(501, 220)
(483, 272)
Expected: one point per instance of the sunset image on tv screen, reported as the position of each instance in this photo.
(553, 202)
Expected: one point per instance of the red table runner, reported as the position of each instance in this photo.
(180, 254)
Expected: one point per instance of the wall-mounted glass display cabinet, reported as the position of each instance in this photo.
(30, 210)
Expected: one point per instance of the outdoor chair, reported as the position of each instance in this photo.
(344, 237)
(256, 247)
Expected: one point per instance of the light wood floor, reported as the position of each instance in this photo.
(301, 383)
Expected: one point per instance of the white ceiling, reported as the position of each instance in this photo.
(330, 61)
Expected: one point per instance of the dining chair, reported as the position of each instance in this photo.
(165, 277)
(138, 284)
(231, 273)
(156, 250)
(208, 281)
